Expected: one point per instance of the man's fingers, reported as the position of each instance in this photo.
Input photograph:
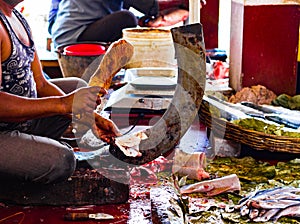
(103, 91)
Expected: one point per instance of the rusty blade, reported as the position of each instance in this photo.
(167, 132)
(116, 57)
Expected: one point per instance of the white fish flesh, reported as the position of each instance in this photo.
(129, 144)
(213, 187)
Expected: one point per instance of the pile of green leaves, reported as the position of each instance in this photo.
(290, 102)
(261, 126)
(253, 175)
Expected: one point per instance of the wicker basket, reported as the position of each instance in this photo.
(255, 139)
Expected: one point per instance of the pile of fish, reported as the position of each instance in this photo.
(271, 204)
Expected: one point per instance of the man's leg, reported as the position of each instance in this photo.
(51, 127)
(109, 28)
(34, 158)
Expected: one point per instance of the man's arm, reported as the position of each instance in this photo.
(51, 101)
(16, 109)
(44, 87)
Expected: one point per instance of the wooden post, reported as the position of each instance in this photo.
(194, 11)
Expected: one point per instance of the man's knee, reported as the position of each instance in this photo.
(66, 164)
(129, 19)
(61, 168)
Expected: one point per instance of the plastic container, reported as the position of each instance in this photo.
(80, 59)
(84, 49)
(152, 47)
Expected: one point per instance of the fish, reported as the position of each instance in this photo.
(129, 144)
(190, 164)
(260, 108)
(293, 211)
(262, 212)
(267, 215)
(270, 204)
(244, 200)
(253, 213)
(213, 187)
(287, 120)
(244, 210)
(229, 111)
(284, 195)
(268, 194)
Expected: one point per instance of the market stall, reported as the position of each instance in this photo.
(167, 172)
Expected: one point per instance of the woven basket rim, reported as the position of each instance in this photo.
(255, 139)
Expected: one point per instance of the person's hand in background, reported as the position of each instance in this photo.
(167, 17)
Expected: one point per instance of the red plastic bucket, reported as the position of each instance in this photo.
(84, 49)
(75, 59)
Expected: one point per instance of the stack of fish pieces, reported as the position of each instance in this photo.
(271, 204)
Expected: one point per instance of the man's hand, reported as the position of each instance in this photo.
(83, 100)
(105, 129)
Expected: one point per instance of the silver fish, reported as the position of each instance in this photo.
(262, 212)
(244, 200)
(289, 211)
(287, 120)
(284, 195)
(267, 216)
(244, 210)
(270, 204)
(267, 194)
(254, 212)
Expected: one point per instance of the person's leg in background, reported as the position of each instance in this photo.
(148, 7)
(109, 28)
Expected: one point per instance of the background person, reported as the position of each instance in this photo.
(72, 21)
(94, 20)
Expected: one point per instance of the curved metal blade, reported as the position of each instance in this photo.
(167, 132)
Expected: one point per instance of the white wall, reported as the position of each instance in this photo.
(36, 13)
(224, 25)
